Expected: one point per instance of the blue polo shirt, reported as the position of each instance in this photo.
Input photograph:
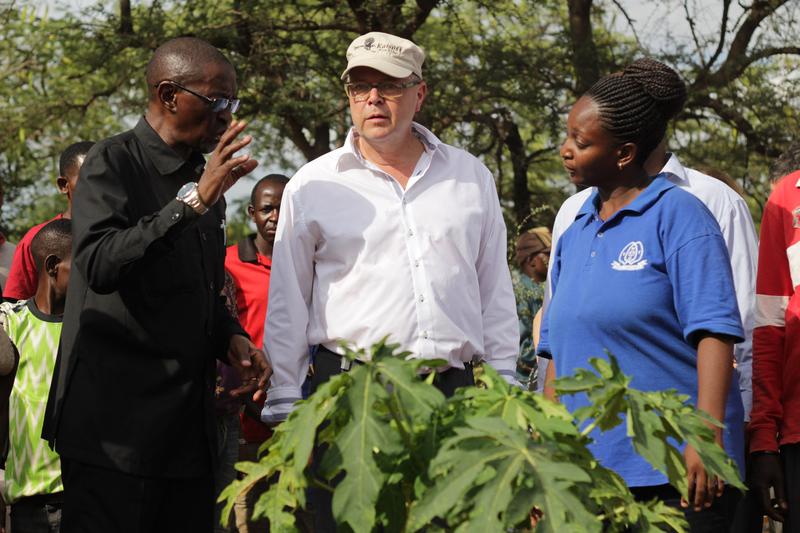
(642, 285)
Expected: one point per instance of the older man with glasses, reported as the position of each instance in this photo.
(395, 233)
(131, 405)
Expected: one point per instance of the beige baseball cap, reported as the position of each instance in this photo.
(386, 53)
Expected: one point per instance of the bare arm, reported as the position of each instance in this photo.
(714, 368)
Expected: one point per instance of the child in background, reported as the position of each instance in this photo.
(33, 471)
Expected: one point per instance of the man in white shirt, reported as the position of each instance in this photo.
(395, 233)
(731, 212)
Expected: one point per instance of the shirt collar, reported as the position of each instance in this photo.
(165, 159)
(247, 249)
(640, 204)
(248, 253)
(352, 154)
(41, 315)
(675, 168)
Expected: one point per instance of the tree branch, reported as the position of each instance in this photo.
(630, 22)
(738, 121)
(737, 59)
(424, 8)
(536, 154)
(723, 30)
(361, 14)
(691, 22)
(772, 51)
(297, 136)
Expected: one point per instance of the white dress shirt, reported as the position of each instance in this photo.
(357, 258)
(731, 212)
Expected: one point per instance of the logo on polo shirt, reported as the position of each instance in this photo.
(796, 217)
(631, 257)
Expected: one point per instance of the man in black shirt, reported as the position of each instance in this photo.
(131, 405)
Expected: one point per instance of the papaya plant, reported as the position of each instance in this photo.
(405, 458)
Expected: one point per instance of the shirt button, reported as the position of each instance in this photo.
(424, 334)
(600, 234)
(421, 298)
(594, 254)
(211, 285)
(203, 235)
(410, 233)
(176, 216)
(416, 263)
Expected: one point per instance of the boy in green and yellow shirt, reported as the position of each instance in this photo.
(33, 471)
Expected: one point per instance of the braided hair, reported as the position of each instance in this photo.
(636, 104)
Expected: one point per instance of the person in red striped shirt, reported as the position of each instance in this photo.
(775, 419)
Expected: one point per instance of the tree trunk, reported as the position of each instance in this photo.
(125, 18)
(584, 57)
(519, 164)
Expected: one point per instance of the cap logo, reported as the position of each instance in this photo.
(380, 48)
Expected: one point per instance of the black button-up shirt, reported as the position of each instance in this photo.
(144, 319)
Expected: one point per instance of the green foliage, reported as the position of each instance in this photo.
(501, 77)
(408, 459)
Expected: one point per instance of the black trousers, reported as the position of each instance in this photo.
(719, 518)
(327, 364)
(790, 456)
(37, 514)
(98, 500)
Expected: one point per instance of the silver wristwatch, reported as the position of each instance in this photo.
(189, 195)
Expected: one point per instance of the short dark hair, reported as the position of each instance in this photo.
(636, 104)
(181, 60)
(68, 162)
(278, 179)
(786, 163)
(55, 238)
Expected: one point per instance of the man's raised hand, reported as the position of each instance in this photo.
(224, 168)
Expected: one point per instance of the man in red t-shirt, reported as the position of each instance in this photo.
(249, 263)
(23, 275)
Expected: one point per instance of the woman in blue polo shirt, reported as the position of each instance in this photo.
(643, 272)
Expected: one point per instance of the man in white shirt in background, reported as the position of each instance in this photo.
(731, 212)
(395, 233)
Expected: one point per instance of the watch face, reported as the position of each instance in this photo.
(186, 189)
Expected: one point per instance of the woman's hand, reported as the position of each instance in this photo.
(702, 487)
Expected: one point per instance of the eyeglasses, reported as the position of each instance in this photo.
(217, 104)
(359, 91)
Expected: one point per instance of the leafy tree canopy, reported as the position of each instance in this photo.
(501, 74)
